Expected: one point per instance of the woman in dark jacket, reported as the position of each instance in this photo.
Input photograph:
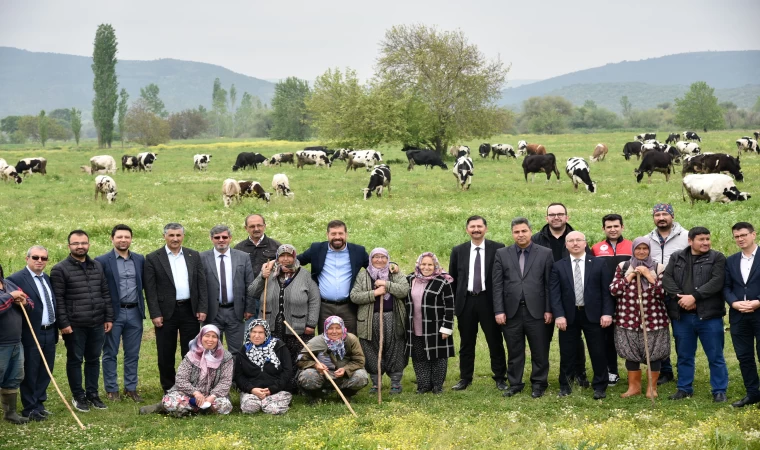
(263, 371)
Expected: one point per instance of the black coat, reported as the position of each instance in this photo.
(158, 282)
(24, 280)
(82, 296)
(437, 317)
(317, 253)
(708, 279)
(459, 269)
(735, 289)
(596, 290)
(249, 376)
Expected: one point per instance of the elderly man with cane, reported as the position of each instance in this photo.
(12, 300)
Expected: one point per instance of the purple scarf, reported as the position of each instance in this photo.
(380, 274)
(649, 263)
(437, 272)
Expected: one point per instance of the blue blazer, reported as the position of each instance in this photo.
(108, 261)
(317, 253)
(25, 281)
(596, 290)
(735, 289)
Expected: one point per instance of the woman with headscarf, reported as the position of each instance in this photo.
(430, 312)
(375, 285)
(629, 334)
(339, 356)
(292, 296)
(263, 371)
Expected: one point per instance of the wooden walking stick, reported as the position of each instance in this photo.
(264, 299)
(646, 339)
(380, 357)
(326, 376)
(34, 335)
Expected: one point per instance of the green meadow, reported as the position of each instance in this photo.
(425, 211)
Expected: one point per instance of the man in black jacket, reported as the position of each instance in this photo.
(84, 314)
(694, 280)
(259, 246)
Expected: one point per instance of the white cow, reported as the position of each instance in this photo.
(712, 187)
(200, 162)
(281, 185)
(230, 191)
(103, 164)
(747, 144)
(105, 186)
(688, 148)
(3, 164)
(363, 158)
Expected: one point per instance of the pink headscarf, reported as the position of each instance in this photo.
(437, 272)
(206, 359)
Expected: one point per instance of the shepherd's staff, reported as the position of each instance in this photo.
(379, 358)
(316, 360)
(264, 299)
(646, 339)
(34, 335)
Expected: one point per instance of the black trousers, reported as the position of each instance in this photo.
(610, 350)
(478, 309)
(36, 379)
(579, 367)
(746, 338)
(184, 322)
(568, 351)
(519, 327)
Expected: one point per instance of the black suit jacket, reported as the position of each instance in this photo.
(459, 268)
(734, 287)
(509, 285)
(317, 253)
(24, 280)
(111, 270)
(159, 283)
(597, 299)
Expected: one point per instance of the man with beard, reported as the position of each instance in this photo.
(124, 271)
(260, 247)
(552, 236)
(334, 266)
(667, 238)
(84, 314)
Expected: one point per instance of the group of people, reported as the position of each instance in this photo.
(260, 300)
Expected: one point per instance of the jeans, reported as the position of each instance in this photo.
(11, 367)
(128, 328)
(686, 331)
(84, 344)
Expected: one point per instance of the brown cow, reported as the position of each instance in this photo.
(531, 149)
(599, 153)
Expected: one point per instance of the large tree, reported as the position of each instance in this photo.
(289, 110)
(698, 109)
(76, 124)
(144, 126)
(123, 109)
(150, 94)
(187, 124)
(104, 83)
(233, 101)
(219, 107)
(547, 115)
(42, 125)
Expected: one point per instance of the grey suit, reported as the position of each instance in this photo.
(524, 298)
(229, 320)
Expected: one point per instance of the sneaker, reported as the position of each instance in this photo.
(395, 389)
(613, 379)
(373, 390)
(80, 404)
(96, 402)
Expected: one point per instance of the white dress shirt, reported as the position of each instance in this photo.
(179, 273)
(41, 284)
(227, 272)
(745, 264)
(471, 270)
(582, 269)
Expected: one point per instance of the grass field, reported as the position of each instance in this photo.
(426, 212)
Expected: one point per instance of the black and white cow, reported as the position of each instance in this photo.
(340, 154)
(712, 187)
(28, 166)
(425, 157)
(363, 158)
(654, 162)
(129, 163)
(8, 173)
(757, 135)
(673, 138)
(579, 172)
(484, 149)
(145, 161)
(722, 163)
(280, 158)
(540, 163)
(200, 162)
(500, 150)
(253, 189)
(691, 136)
(747, 144)
(688, 148)
(312, 157)
(645, 136)
(105, 186)
(281, 185)
(379, 178)
(245, 160)
(320, 148)
(463, 172)
(632, 148)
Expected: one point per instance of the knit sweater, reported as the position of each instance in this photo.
(301, 300)
(217, 381)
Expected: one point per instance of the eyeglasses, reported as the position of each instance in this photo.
(79, 244)
(37, 258)
(552, 216)
(741, 236)
(220, 238)
(573, 241)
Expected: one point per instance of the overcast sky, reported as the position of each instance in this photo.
(276, 39)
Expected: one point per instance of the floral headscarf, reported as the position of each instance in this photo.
(649, 263)
(289, 249)
(380, 274)
(437, 272)
(260, 354)
(206, 359)
(337, 346)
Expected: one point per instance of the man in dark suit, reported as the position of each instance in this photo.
(581, 300)
(470, 264)
(175, 288)
(521, 306)
(36, 284)
(228, 274)
(334, 266)
(742, 291)
(124, 273)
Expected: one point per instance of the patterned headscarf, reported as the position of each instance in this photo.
(649, 263)
(667, 207)
(437, 272)
(337, 346)
(206, 359)
(260, 354)
(289, 249)
(380, 274)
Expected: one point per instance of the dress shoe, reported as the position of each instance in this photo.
(582, 381)
(511, 391)
(537, 393)
(113, 396)
(599, 394)
(680, 395)
(133, 395)
(36, 416)
(502, 385)
(665, 377)
(745, 401)
(564, 392)
(461, 385)
(719, 397)
(45, 412)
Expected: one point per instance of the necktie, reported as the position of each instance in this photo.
(522, 262)
(477, 282)
(223, 279)
(48, 302)
(578, 281)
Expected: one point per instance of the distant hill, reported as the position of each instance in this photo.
(652, 81)
(32, 81)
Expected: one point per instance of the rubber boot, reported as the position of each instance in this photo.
(652, 391)
(396, 382)
(373, 380)
(9, 409)
(634, 384)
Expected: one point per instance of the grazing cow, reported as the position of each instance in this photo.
(463, 172)
(673, 138)
(9, 173)
(757, 135)
(691, 136)
(103, 164)
(340, 154)
(281, 185)
(688, 148)
(28, 166)
(86, 169)
(712, 187)
(654, 162)
(600, 152)
(645, 136)
(455, 150)
(253, 189)
(530, 149)
(379, 178)
(145, 161)
(230, 191)
(129, 163)
(280, 158)
(747, 144)
(484, 149)
(500, 150)
(105, 186)
(363, 158)
(248, 159)
(427, 158)
(579, 172)
(201, 161)
(675, 154)
(632, 148)
(540, 163)
(722, 163)
(312, 157)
